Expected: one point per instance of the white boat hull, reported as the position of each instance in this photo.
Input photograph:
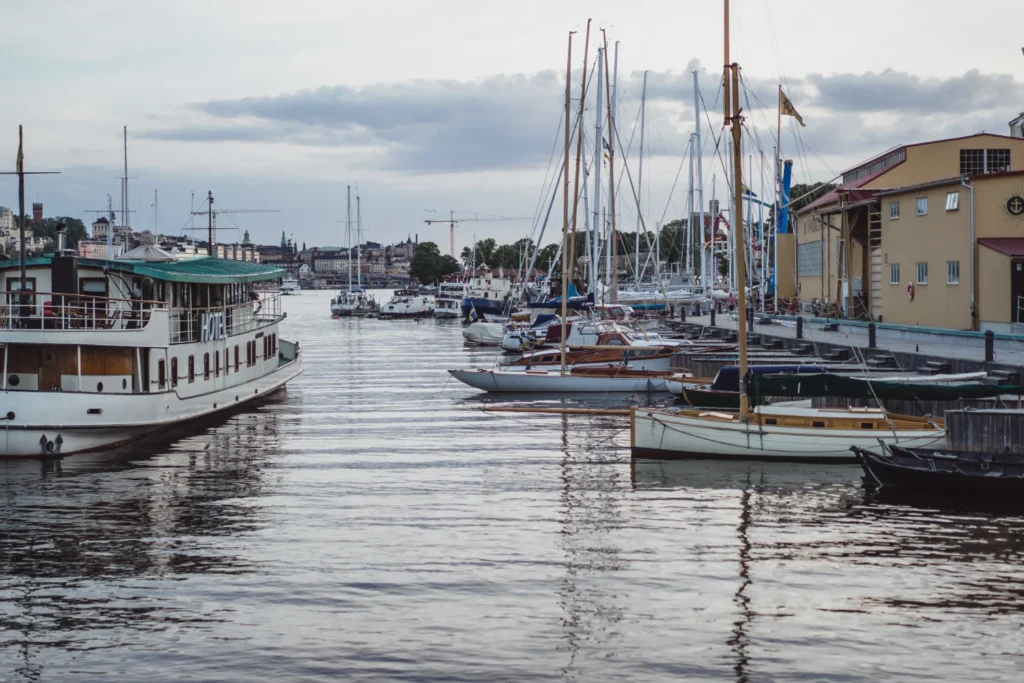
(38, 430)
(447, 313)
(553, 382)
(657, 434)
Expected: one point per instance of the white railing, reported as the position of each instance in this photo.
(57, 311)
(207, 323)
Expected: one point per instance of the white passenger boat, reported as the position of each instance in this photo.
(290, 285)
(98, 352)
(408, 303)
(449, 299)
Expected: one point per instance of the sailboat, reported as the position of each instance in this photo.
(769, 432)
(353, 300)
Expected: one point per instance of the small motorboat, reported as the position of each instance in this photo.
(937, 471)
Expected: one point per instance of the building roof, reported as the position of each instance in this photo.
(202, 269)
(833, 196)
(1010, 246)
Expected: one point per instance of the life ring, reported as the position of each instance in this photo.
(910, 291)
(799, 287)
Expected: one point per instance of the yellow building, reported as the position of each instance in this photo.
(895, 242)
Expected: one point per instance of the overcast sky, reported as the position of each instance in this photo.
(450, 104)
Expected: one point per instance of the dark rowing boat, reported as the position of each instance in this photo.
(935, 471)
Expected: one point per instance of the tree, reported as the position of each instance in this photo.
(546, 255)
(800, 195)
(485, 251)
(449, 265)
(426, 262)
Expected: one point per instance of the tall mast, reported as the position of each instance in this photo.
(359, 239)
(612, 109)
(699, 150)
(565, 201)
(20, 170)
(597, 223)
(348, 231)
(687, 259)
(640, 181)
(579, 153)
(127, 212)
(741, 292)
(209, 226)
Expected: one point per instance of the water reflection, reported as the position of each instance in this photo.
(81, 539)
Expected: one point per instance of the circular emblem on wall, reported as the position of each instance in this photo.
(1015, 206)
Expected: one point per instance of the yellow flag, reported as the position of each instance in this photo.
(786, 108)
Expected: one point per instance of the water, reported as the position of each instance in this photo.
(375, 524)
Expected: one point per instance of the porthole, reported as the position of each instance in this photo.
(10, 414)
(14, 380)
(99, 386)
(124, 384)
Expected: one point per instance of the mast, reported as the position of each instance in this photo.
(579, 152)
(700, 191)
(687, 259)
(612, 109)
(640, 181)
(359, 240)
(741, 293)
(209, 225)
(565, 201)
(348, 231)
(597, 223)
(21, 220)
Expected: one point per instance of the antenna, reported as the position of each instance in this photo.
(212, 213)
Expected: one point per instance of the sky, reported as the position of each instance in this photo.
(424, 108)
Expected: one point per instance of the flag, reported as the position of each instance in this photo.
(786, 108)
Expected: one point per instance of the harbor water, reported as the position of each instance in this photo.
(374, 523)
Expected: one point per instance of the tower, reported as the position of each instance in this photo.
(37, 212)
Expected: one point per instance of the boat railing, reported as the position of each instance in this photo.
(206, 323)
(61, 311)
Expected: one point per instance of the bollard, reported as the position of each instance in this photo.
(872, 341)
(682, 312)
(712, 316)
(990, 346)
(799, 327)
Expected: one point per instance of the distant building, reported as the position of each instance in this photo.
(37, 212)
(1017, 127)
(237, 252)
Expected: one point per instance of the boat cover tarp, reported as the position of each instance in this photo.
(828, 384)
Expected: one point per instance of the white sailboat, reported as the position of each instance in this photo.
(769, 433)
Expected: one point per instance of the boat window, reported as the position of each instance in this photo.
(216, 362)
(867, 425)
(817, 423)
(236, 358)
(161, 373)
(191, 369)
(771, 421)
(174, 372)
(206, 366)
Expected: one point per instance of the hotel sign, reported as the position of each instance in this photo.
(212, 327)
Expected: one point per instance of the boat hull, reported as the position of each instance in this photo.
(36, 431)
(667, 436)
(554, 382)
(447, 313)
(923, 473)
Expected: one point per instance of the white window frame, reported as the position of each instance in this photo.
(922, 202)
(922, 271)
(953, 200)
(952, 272)
(894, 273)
(894, 211)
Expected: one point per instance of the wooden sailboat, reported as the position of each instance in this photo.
(769, 433)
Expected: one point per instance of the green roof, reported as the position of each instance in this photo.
(202, 269)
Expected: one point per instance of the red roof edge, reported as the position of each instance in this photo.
(1009, 246)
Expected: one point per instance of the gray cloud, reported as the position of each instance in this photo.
(510, 121)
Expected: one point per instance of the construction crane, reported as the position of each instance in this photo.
(212, 213)
(452, 220)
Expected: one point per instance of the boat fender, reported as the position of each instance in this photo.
(910, 291)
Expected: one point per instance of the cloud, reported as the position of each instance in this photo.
(512, 121)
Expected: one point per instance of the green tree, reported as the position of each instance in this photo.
(485, 251)
(449, 265)
(426, 263)
(545, 255)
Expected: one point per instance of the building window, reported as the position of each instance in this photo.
(206, 366)
(894, 211)
(922, 206)
(922, 273)
(952, 201)
(952, 272)
(808, 258)
(894, 273)
(191, 369)
(174, 372)
(978, 161)
(161, 373)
